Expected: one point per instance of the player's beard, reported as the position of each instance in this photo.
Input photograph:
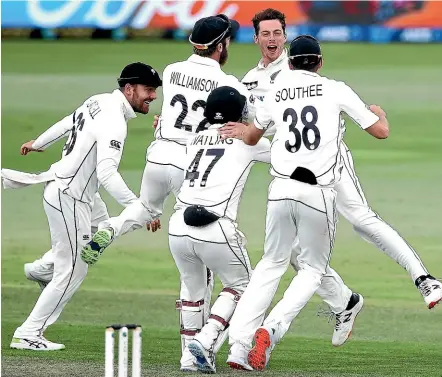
(223, 56)
(139, 105)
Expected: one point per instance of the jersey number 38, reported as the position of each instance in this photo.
(297, 138)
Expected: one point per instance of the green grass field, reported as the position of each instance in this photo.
(137, 280)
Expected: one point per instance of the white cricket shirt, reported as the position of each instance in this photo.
(305, 109)
(259, 80)
(91, 156)
(217, 171)
(186, 86)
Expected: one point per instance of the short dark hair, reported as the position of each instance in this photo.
(266, 15)
(208, 52)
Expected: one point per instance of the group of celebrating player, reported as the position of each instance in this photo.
(211, 130)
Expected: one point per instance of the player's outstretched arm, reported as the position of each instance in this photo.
(370, 118)
(50, 136)
(27, 147)
(381, 129)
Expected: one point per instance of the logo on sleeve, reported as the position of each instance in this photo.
(115, 144)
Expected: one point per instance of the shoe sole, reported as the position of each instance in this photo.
(201, 362)
(351, 330)
(237, 366)
(257, 356)
(188, 370)
(26, 348)
(434, 303)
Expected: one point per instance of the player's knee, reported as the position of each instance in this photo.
(316, 272)
(276, 261)
(238, 287)
(192, 295)
(69, 276)
(361, 218)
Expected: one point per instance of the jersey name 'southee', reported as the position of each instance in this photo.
(195, 83)
(299, 92)
(210, 140)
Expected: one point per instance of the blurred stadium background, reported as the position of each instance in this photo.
(57, 53)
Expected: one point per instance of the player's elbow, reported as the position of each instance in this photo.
(251, 140)
(379, 130)
(384, 132)
(105, 170)
(252, 135)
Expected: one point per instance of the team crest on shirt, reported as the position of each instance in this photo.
(273, 76)
(251, 85)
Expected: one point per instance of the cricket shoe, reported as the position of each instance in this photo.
(189, 368)
(430, 289)
(35, 343)
(38, 274)
(237, 358)
(346, 319)
(188, 362)
(259, 355)
(205, 359)
(93, 249)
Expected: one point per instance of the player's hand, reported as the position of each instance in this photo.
(27, 147)
(156, 118)
(377, 110)
(154, 225)
(232, 130)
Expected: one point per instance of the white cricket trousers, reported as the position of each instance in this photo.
(70, 226)
(218, 246)
(163, 174)
(43, 267)
(352, 204)
(294, 210)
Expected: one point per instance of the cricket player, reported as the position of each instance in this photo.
(203, 230)
(351, 203)
(91, 158)
(305, 109)
(187, 85)
(42, 269)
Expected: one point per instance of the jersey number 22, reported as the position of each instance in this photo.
(185, 109)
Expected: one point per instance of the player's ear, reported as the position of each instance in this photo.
(255, 38)
(128, 89)
(219, 47)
